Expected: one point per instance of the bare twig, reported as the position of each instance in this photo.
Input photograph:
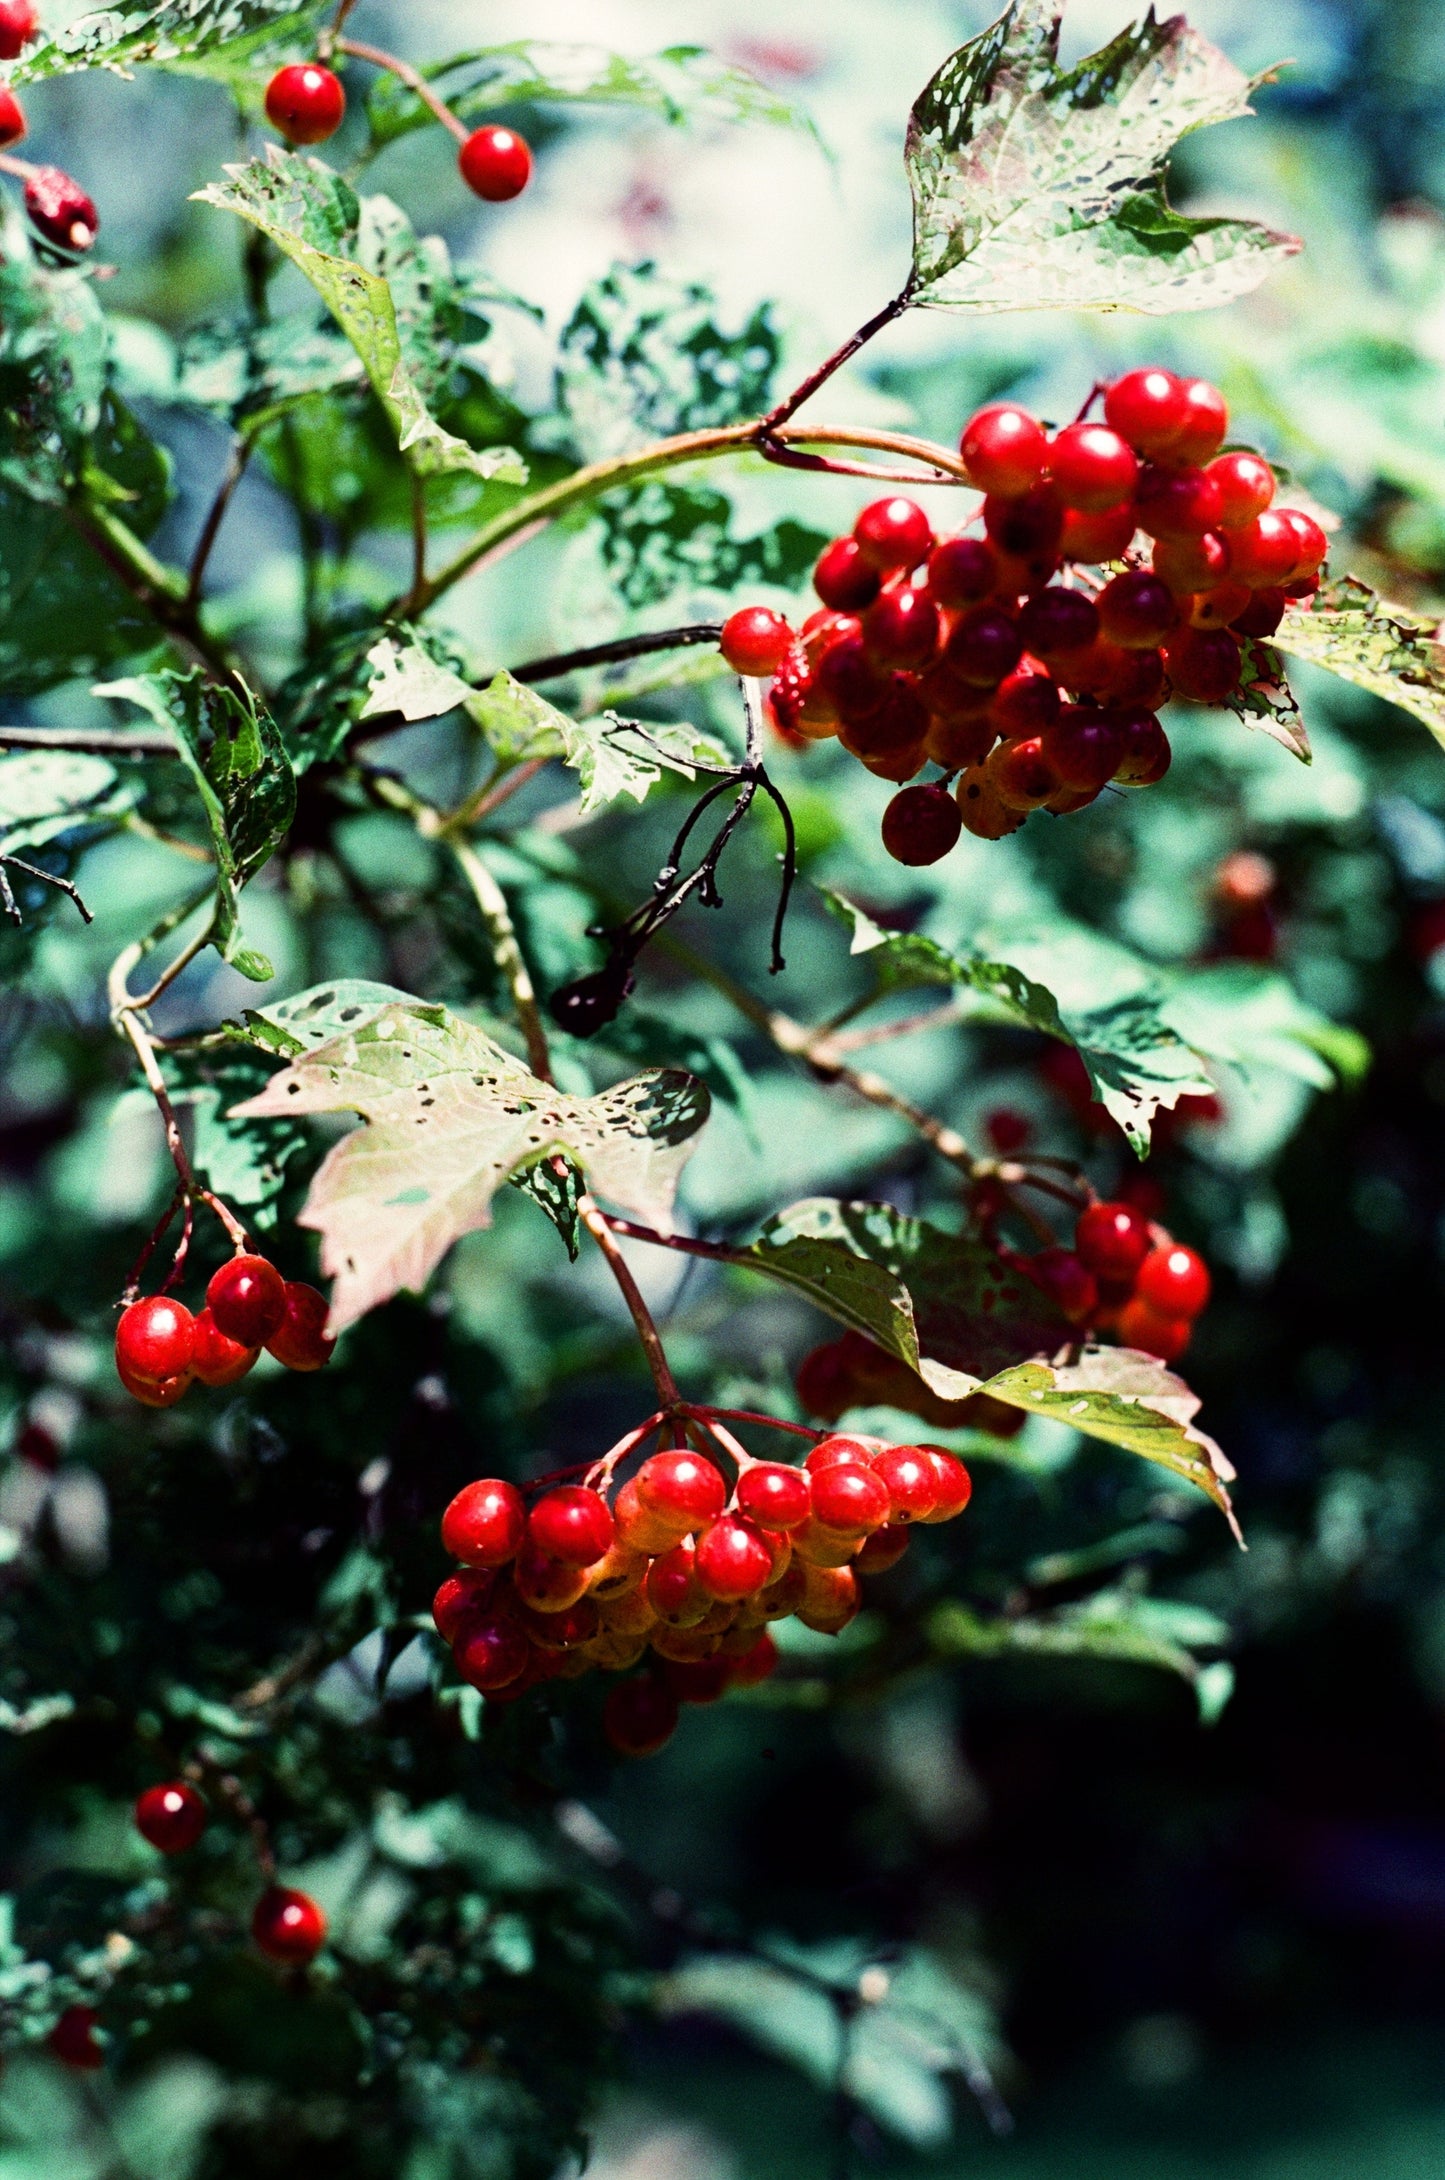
(623, 647)
(96, 742)
(404, 73)
(507, 953)
(210, 529)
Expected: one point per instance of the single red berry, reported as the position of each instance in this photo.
(172, 1817)
(1092, 468)
(1059, 1274)
(300, 1340)
(1004, 450)
(757, 1663)
(847, 678)
(673, 1590)
(1205, 422)
(849, 1498)
(1246, 483)
(1174, 1281)
(698, 1680)
(461, 1597)
(1056, 621)
(1264, 552)
(1020, 774)
(908, 1475)
(1262, 616)
(1026, 526)
(1099, 537)
(12, 119)
(571, 1524)
(1149, 408)
(772, 1492)
(921, 824)
(1112, 1239)
(485, 1524)
(164, 1395)
(19, 21)
(640, 1715)
(901, 627)
(491, 1652)
(1313, 544)
(1084, 747)
(984, 646)
(154, 1341)
(841, 1446)
(954, 1485)
(305, 102)
(73, 2039)
(496, 163)
(844, 579)
(288, 1925)
(733, 1561)
(1188, 565)
(755, 641)
(247, 1299)
(1204, 664)
(883, 1548)
(554, 1631)
(1136, 609)
(831, 1599)
(681, 1488)
(215, 1360)
(893, 533)
(1007, 1131)
(962, 571)
(545, 1583)
(1147, 755)
(1221, 607)
(1144, 1328)
(1178, 504)
(1025, 701)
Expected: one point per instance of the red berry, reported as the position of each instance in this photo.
(1060, 1275)
(215, 1360)
(171, 1817)
(73, 2039)
(1025, 701)
(496, 163)
(1178, 504)
(883, 1549)
(1112, 1239)
(571, 1524)
(640, 1715)
(830, 1600)
(1313, 544)
(983, 647)
(682, 1488)
(1264, 552)
(1221, 607)
(491, 1652)
(1136, 609)
(772, 1492)
(757, 1663)
(1004, 450)
(19, 21)
(1148, 408)
(1056, 621)
(1193, 564)
(840, 1446)
(247, 1299)
(672, 1586)
(908, 1475)
(732, 1559)
(1007, 1131)
(556, 1631)
(485, 1524)
(288, 1925)
(545, 1583)
(1092, 468)
(1174, 1281)
(954, 1485)
(1084, 747)
(1026, 526)
(1246, 482)
(1204, 664)
(154, 1341)
(921, 824)
(1262, 616)
(12, 119)
(849, 1498)
(1020, 774)
(901, 627)
(961, 572)
(300, 1340)
(461, 1597)
(1099, 537)
(1205, 422)
(164, 1395)
(305, 102)
(755, 641)
(698, 1680)
(1142, 1327)
(844, 579)
(893, 533)
(847, 678)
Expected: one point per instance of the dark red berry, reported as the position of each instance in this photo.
(757, 1663)
(984, 646)
(1020, 774)
(901, 627)
(154, 1340)
(893, 533)
(1025, 526)
(1025, 701)
(1178, 504)
(1007, 1131)
(1148, 408)
(640, 1715)
(589, 1003)
(1204, 664)
(247, 1299)
(172, 1817)
(1004, 450)
(1174, 1280)
(491, 1652)
(496, 163)
(1055, 621)
(898, 722)
(844, 579)
(1099, 537)
(12, 119)
(571, 1524)
(773, 1493)
(961, 572)
(698, 1680)
(485, 1524)
(1193, 564)
(216, 1360)
(847, 678)
(288, 1925)
(1262, 616)
(1313, 544)
(883, 1548)
(300, 1340)
(60, 209)
(460, 1598)
(1220, 607)
(19, 21)
(1147, 754)
(755, 641)
(1067, 1282)
(921, 824)
(1092, 468)
(1154, 1334)
(73, 2039)
(305, 102)
(1112, 1239)
(732, 1559)
(1136, 609)
(1084, 747)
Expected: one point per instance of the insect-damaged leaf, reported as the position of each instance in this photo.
(451, 1116)
(173, 32)
(1038, 186)
(1393, 652)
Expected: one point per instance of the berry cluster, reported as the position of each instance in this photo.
(306, 103)
(1125, 1275)
(1119, 564)
(160, 1347)
(677, 1566)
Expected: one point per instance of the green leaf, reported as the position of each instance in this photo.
(450, 1116)
(243, 1161)
(665, 538)
(1114, 1625)
(1395, 653)
(245, 779)
(611, 756)
(315, 219)
(1252, 1018)
(1040, 186)
(128, 32)
(683, 84)
(52, 372)
(46, 793)
(314, 1017)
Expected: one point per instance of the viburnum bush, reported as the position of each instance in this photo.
(337, 854)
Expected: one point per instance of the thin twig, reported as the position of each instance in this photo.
(491, 795)
(96, 742)
(596, 1224)
(404, 73)
(621, 648)
(507, 953)
(211, 528)
(418, 535)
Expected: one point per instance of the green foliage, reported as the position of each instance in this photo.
(1386, 649)
(233, 33)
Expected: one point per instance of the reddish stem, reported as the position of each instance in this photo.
(405, 73)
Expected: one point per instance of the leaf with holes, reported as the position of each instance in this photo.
(245, 780)
(1392, 651)
(410, 682)
(170, 33)
(1264, 699)
(52, 372)
(1037, 186)
(450, 1116)
(610, 755)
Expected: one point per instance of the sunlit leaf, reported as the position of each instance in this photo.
(128, 32)
(1392, 651)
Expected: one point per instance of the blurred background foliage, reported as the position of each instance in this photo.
(993, 1887)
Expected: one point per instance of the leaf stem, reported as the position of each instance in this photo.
(240, 455)
(767, 430)
(415, 82)
(597, 1226)
(562, 663)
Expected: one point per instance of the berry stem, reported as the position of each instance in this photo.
(403, 72)
(600, 1473)
(767, 429)
(595, 1221)
(326, 42)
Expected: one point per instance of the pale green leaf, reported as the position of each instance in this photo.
(44, 793)
(450, 1116)
(516, 722)
(408, 680)
(1039, 186)
(314, 1017)
(1395, 653)
(1251, 1018)
(611, 756)
(165, 32)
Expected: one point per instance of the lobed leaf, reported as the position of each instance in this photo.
(1395, 653)
(128, 32)
(610, 755)
(1039, 186)
(449, 1117)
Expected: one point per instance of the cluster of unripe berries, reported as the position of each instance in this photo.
(1126, 1276)
(306, 103)
(1119, 564)
(59, 208)
(160, 1346)
(679, 1568)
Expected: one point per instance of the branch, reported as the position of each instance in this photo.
(404, 73)
(622, 647)
(767, 430)
(235, 470)
(507, 953)
(596, 1224)
(97, 742)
